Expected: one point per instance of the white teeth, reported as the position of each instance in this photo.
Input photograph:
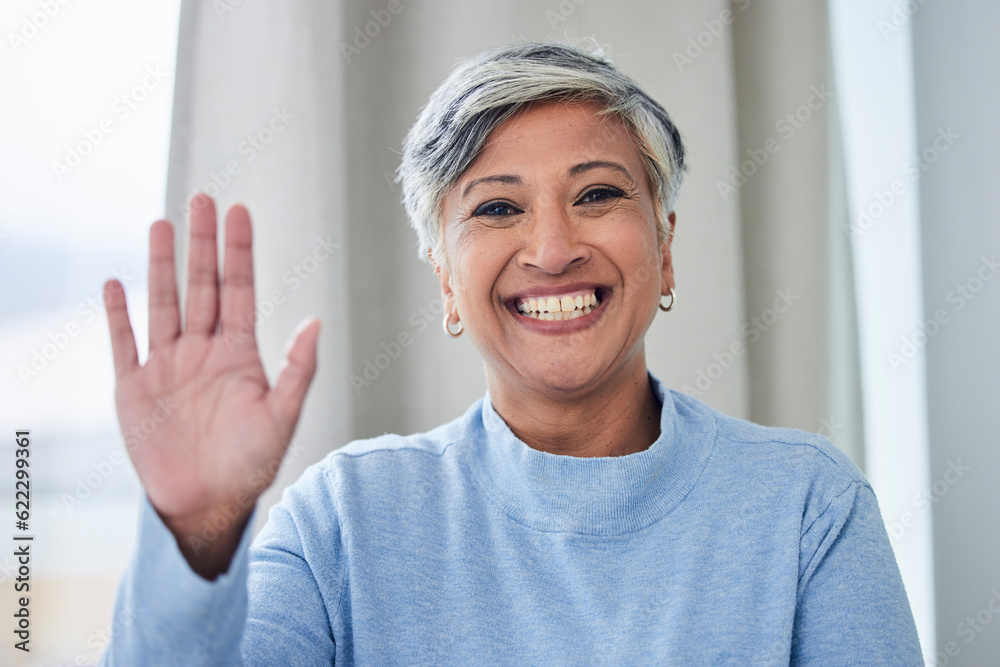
(587, 309)
(553, 304)
(575, 314)
(548, 316)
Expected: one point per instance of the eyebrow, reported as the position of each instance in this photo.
(597, 164)
(575, 170)
(507, 179)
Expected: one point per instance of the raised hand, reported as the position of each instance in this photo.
(203, 428)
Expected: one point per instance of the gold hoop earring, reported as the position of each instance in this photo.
(447, 329)
(673, 297)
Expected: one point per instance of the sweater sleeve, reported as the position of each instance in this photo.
(166, 614)
(266, 607)
(852, 607)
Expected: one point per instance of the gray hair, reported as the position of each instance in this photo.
(483, 92)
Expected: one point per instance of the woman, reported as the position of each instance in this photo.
(579, 513)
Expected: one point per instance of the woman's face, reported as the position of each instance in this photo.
(552, 260)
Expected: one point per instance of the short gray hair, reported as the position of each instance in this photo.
(483, 92)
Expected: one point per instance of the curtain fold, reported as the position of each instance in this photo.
(803, 365)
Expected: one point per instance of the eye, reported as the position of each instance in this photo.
(600, 194)
(496, 209)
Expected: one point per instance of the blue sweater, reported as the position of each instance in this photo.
(724, 542)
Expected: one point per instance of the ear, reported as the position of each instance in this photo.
(666, 263)
(447, 295)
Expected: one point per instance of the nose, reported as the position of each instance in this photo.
(553, 243)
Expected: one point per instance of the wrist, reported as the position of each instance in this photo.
(208, 540)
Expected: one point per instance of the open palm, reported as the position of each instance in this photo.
(203, 428)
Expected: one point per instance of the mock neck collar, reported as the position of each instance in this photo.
(603, 495)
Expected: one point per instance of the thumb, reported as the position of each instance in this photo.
(289, 392)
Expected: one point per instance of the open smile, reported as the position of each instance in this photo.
(568, 309)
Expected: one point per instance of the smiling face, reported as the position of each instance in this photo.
(552, 258)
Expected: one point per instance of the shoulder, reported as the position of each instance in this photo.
(387, 470)
(776, 469)
(757, 445)
(392, 457)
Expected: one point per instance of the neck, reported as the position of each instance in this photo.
(619, 417)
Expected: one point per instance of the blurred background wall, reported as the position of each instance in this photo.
(795, 291)
(957, 73)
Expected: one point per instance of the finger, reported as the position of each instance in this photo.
(237, 311)
(289, 392)
(201, 312)
(164, 313)
(123, 349)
